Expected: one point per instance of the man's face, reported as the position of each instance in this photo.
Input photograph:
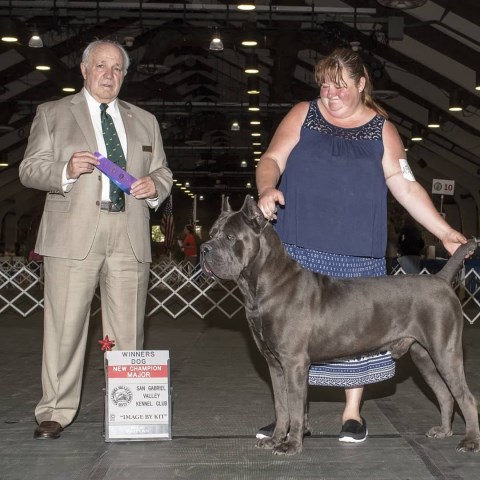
(104, 73)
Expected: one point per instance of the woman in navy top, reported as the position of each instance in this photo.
(324, 179)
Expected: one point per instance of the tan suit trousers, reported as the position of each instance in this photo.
(69, 289)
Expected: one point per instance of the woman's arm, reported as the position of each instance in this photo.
(411, 195)
(273, 161)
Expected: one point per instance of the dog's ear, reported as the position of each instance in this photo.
(253, 214)
(226, 208)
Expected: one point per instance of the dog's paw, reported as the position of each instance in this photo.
(267, 443)
(439, 432)
(469, 445)
(288, 447)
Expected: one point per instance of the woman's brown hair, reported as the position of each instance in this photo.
(344, 60)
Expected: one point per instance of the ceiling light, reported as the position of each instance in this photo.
(243, 163)
(433, 119)
(244, 5)
(235, 126)
(248, 185)
(41, 61)
(455, 104)
(3, 164)
(250, 35)
(253, 103)
(216, 43)
(257, 144)
(255, 122)
(70, 81)
(402, 4)
(255, 134)
(257, 152)
(251, 63)
(356, 45)
(253, 85)
(416, 134)
(477, 81)
(35, 41)
(128, 41)
(8, 30)
(383, 88)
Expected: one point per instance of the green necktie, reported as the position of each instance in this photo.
(114, 153)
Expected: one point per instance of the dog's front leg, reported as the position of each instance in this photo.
(296, 382)
(281, 406)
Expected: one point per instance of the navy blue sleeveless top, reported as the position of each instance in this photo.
(335, 190)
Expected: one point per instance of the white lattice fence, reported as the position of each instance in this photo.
(178, 288)
(21, 286)
(175, 288)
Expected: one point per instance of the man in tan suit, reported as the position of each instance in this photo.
(85, 238)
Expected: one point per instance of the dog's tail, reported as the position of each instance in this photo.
(455, 262)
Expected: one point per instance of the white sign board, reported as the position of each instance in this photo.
(137, 395)
(443, 187)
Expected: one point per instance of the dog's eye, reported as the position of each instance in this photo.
(230, 238)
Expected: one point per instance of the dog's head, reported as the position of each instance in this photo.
(234, 240)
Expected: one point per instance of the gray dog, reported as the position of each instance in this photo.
(322, 318)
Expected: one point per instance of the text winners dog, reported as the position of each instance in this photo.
(298, 317)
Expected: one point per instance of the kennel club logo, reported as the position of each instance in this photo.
(121, 396)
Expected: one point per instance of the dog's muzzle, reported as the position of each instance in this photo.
(204, 251)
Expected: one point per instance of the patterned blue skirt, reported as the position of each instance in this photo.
(371, 368)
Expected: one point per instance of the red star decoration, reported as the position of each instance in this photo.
(106, 344)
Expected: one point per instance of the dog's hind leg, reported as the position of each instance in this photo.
(450, 365)
(445, 400)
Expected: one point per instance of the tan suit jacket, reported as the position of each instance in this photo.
(70, 219)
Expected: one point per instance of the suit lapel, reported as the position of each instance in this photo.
(82, 116)
(129, 124)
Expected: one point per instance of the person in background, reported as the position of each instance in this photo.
(324, 178)
(91, 233)
(189, 244)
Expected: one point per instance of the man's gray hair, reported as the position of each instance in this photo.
(91, 46)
